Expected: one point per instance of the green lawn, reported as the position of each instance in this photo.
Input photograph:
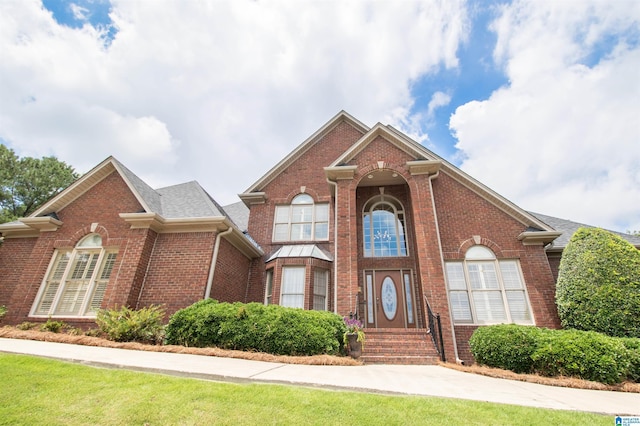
(37, 391)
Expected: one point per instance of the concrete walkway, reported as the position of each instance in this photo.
(392, 379)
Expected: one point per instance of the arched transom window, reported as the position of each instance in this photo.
(302, 220)
(384, 228)
(76, 281)
(485, 290)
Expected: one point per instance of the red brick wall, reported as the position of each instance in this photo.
(463, 214)
(178, 270)
(101, 204)
(351, 200)
(306, 171)
(554, 263)
(231, 274)
(463, 334)
(460, 214)
(14, 255)
(256, 281)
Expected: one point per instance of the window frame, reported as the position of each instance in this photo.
(325, 278)
(399, 222)
(284, 218)
(469, 292)
(302, 285)
(268, 288)
(89, 286)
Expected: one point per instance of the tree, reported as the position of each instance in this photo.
(598, 285)
(26, 183)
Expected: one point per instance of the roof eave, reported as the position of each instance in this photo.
(29, 227)
(217, 224)
(163, 225)
(533, 238)
(83, 184)
(249, 198)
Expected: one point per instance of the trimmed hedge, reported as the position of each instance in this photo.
(587, 355)
(256, 327)
(598, 285)
(584, 354)
(633, 345)
(506, 346)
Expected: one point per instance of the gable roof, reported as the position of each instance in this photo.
(568, 228)
(426, 162)
(185, 207)
(177, 201)
(341, 117)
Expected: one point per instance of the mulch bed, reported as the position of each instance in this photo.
(14, 333)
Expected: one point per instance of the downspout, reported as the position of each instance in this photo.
(214, 260)
(146, 272)
(435, 216)
(335, 246)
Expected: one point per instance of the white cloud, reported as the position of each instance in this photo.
(562, 138)
(80, 13)
(213, 91)
(439, 99)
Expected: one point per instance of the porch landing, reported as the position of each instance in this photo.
(399, 346)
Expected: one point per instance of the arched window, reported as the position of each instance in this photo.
(76, 281)
(383, 228)
(485, 290)
(302, 220)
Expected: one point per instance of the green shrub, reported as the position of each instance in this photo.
(584, 354)
(256, 327)
(128, 325)
(3, 312)
(598, 285)
(93, 332)
(53, 326)
(506, 346)
(633, 346)
(75, 331)
(24, 326)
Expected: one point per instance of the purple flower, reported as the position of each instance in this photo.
(353, 325)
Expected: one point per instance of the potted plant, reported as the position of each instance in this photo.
(354, 337)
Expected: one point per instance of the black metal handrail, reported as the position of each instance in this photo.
(435, 329)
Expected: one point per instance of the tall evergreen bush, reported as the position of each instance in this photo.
(598, 285)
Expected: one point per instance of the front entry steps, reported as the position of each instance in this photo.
(399, 346)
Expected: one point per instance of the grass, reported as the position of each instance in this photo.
(40, 391)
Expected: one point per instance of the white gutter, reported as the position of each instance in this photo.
(335, 247)
(214, 260)
(444, 275)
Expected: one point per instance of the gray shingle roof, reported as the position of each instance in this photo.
(239, 214)
(568, 228)
(148, 194)
(176, 201)
(187, 200)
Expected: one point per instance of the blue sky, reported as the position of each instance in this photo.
(536, 99)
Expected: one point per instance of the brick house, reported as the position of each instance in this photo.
(356, 220)
(110, 240)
